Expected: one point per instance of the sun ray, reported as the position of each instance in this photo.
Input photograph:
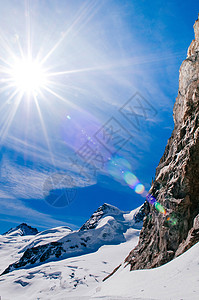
(11, 116)
(74, 71)
(28, 26)
(18, 66)
(9, 99)
(19, 46)
(44, 130)
(7, 48)
(84, 13)
(59, 97)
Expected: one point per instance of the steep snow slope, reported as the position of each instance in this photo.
(178, 279)
(106, 226)
(80, 278)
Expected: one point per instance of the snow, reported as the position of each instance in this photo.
(12, 246)
(47, 236)
(178, 279)
(80, 277)
(71, 278)
(9, 249)
(104, 221)
(130, 216)
(107, 226)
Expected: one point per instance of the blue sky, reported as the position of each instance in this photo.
(97, 56)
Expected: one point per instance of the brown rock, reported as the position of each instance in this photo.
(195, 43)
(176, 184)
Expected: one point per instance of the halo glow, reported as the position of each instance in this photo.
(28, 76)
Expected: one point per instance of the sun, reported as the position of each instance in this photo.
(28, 76)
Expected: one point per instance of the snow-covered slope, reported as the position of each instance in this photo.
(47, 236)
(9, 249)
(22, 229)
(73, 276)
(80, 278)
(12, 246)
(106, 226)
(178, 279)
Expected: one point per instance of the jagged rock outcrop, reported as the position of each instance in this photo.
(176, 185)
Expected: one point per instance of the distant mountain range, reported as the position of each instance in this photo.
(107, 226)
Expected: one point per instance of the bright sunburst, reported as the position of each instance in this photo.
(28, 76)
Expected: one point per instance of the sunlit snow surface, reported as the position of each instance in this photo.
(75, 276)
(80, 277)
(178, 279)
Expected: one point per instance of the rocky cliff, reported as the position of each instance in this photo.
(176, 184)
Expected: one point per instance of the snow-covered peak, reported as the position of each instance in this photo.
(104, 210)
(22, 229)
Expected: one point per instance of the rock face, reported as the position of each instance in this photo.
(176, 185)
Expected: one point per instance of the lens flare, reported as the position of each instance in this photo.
(121, 169)
(151, 199)
(172, 220)
(160, 208)
(139, 189)
(130, 179)
(117, 166)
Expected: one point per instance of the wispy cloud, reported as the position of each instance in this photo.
(97, 56)
(22, 213)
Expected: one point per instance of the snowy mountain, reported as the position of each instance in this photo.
(80, 278)
(13, 246)
(107, 226)
(106, 211)
(71, 278)
(113, 234)
(22, 229)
